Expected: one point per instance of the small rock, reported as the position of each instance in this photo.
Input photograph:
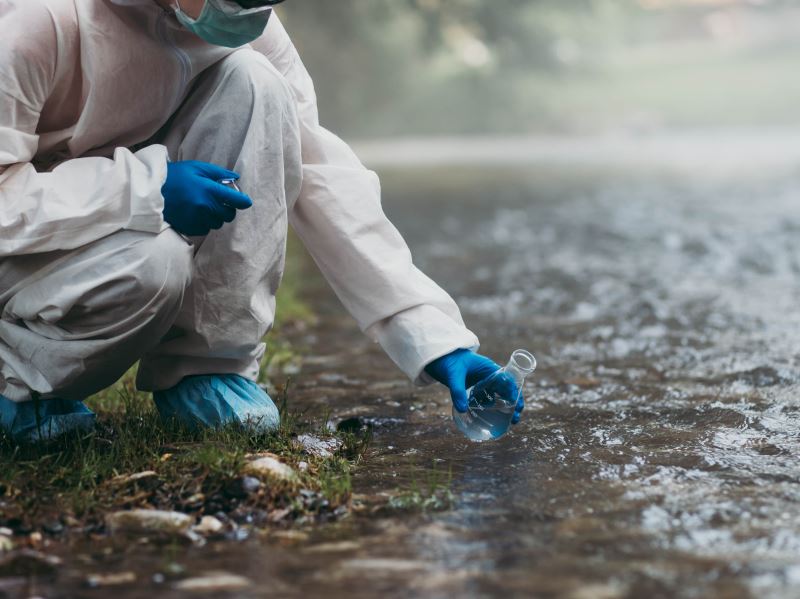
(322, 448)
(208, 525)
(6, 544)
(302, 466)
(162, 523)
(6, 531)
(35, 538)
(110, 580)
(291, 536)
(213, 582)
(270, 467)
(147, 479)
(278, 515)
(27, 562)
(53, 527)
(71, 521)
(334, 547)
(242, 487)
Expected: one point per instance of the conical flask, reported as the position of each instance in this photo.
(492, 401)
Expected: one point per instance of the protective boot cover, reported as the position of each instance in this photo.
(55, 417)
(216, 400)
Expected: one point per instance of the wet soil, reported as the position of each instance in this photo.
(658, 454)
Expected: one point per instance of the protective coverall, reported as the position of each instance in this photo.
(95, 97)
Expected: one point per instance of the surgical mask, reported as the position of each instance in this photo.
(225, 23)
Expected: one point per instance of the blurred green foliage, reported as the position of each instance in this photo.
(388, 67)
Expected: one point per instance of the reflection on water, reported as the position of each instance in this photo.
(658, 452)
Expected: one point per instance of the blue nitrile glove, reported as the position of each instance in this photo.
(194, 199)
(214, 400)
(460, 370)
(56, 417)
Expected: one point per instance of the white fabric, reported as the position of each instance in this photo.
(84, 84)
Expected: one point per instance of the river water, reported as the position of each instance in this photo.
(658, 454)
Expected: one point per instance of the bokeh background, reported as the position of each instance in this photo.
(385, 68)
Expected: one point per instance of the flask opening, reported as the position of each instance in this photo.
(523, 360)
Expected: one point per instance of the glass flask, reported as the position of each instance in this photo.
(492, 400)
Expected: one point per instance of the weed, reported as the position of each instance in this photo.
(432, 495)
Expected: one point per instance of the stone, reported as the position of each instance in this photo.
(270, 467)
(213, 582)
(242, 487)
(6, 544)
(316, 446)
(147, 479)
(110, 580)
(208, 525)
(144, 522)
(53, 527)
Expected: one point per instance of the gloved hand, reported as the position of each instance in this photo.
(194, 199)
(462, 369)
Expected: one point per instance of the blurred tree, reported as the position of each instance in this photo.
(388, 67)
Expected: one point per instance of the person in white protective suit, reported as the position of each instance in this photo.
(125, 128)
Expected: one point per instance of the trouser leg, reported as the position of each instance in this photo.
(241, 115)
(72, 322)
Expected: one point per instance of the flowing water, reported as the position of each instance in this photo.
(658, 453)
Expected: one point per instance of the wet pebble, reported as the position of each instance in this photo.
(147, 479)
(53, 527)
(208, 525)
(144, 522)
(6, 544)
(242, 487)
(110, 580)
(213, 582)
(316, 446)
(270, 467)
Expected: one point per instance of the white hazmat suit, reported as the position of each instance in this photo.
(95, 97)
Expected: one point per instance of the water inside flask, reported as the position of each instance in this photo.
(492, 400)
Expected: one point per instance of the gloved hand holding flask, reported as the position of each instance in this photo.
(494, 400)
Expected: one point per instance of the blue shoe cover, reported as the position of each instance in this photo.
(218, 399)
(56, 417)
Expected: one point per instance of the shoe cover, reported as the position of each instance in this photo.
(56, 417)
(218, 399)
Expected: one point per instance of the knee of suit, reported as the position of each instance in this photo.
(255, 78)
(164, 268)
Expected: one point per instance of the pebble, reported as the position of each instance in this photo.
(163, 523)
(110, 580)
(53, 527)
(322, 448)
(242, 487)
(6, 544)
(302, 466)
(147, 479)
(268, 466)
(213, 582)
(208, 525)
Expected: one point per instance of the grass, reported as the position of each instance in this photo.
(77, 479)
(431, 495)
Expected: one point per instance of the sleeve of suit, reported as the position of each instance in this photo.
(80, 200)
(339, 218)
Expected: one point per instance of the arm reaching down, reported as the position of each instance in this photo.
(339, 218)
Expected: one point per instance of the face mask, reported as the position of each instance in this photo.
(224, 23)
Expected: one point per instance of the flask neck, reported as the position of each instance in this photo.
(520, 365)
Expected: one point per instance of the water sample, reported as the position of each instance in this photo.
(492, 401)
